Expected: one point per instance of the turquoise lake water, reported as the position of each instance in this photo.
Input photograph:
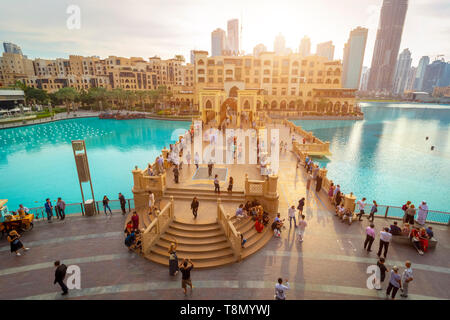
(386, 157)
(37, 161)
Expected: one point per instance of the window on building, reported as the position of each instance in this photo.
(267, 62)
(266, 80)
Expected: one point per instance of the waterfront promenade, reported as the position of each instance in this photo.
(329, 264)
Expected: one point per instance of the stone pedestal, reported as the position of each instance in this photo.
(349, 202)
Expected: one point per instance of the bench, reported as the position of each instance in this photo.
(405, 240)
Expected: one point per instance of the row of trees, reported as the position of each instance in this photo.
(99, 97)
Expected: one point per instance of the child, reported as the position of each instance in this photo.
(301, 228)
(243, 241)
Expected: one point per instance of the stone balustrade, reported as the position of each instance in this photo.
(157, 227)
(230, 231)
(265, 191)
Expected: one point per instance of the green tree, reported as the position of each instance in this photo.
(68, 95)
(98, 95)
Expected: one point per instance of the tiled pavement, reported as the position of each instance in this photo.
(329, 264)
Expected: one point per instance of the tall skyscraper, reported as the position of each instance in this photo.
(305, 47)
(437, 74)
(420, 72)
(411, 78)
(364, 79)
(401, 71)
(11, 48)
(279, 45)
(233, 36)
(258, 49)
(325, 49)
(192, 57)
(387, 44)
(353, 58)
(218, 42)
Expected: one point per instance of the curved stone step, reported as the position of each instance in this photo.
(256, 243)
(198, 264)
(194, 227)
(194, 241)
(195, 247)
(190, 234)
(204, 255)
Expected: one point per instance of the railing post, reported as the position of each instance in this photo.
(129, 206)
(82, 209)
(386, 213)
(98, 209)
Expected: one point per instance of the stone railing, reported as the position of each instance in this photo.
(157, 227)
(230, 231)
(309, 136)
(143, 184)
(265, 191)
(312, 147)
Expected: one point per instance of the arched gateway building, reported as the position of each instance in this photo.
(242, 87)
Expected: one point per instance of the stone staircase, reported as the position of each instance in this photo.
(206, 244)
(203, 194)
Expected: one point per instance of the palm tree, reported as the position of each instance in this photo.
(98, 95)
(68, 95)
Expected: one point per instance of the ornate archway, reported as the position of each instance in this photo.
(233, 92)
(228, 109)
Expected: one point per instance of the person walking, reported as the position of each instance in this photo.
(291, 214)
(385, 239)
(151, 201)
(194, 207)
(301, 204)
(185, 268)
(361, 204)
(60, 274)
(230, 185)
(373, 210)
(422, 214)
(407, 277)
(280, 289)
(176, 174)
(48, 209)
(210, 167)
(106, 206)
(135, 221)
(394, 283)
(15, 243)
(382, 270)
(216, 184)
(410, 213)
(196, 160)
(61, 205)
(173, 259)
(123, 202)
(404, 208)
(370, 237)
(301, 228)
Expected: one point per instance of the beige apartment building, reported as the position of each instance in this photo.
(215, 86)
(245, 86)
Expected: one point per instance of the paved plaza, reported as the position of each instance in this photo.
(330, 264)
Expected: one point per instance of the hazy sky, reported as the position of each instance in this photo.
(145, 28)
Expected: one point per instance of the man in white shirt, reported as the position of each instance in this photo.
(301, 228)
(361, 205)
(291, 214)
(407, 277)
(385, 238)
(280, 289)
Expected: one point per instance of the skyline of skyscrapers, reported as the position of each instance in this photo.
(218, 42)
(233, 36)
(325, 49)
(387, 45)
(437, 74)
(353, 59)
(258, 49)
(279, 45)
(10, 47)
(420, 72)
(305, 46)
(402, 70)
